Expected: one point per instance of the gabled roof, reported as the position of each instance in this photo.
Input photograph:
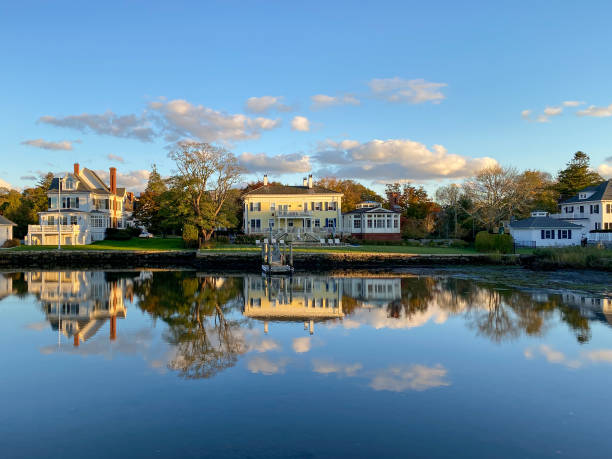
(85, 177)
(603, 191)
(543, 223)
(370, 210)
(291, 190)
(6, 221)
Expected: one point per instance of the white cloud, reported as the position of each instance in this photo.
(302, 345)
(326, 368)
(411, 91)
(126, 126)
(552, 356)
(598, 112)
(133, 180)
(300, 123)
(267, 366)
(323, 100)
(49, 145)
(181, 119)
(526, 114)
(112, 157)
(397, 159)
(415, 377)
(5, 184)
(542, 119)
(260, 162)
(553, 111)
(605, 170)
(572, 103)
(266, 104)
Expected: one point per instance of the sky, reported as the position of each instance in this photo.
(426, 92)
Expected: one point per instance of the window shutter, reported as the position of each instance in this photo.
(542, 235)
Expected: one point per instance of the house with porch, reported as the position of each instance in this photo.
(370, 221)
(541, 230)
(299, 213)
(80, 208)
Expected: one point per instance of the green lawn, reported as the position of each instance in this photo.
(155, 244)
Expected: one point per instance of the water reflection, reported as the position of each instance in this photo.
(210, 321)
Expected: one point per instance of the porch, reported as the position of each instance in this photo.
(49, 235)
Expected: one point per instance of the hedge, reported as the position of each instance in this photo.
(190, 236)
(500, 243)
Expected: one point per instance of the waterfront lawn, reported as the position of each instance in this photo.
(154, 244)
(353, 249)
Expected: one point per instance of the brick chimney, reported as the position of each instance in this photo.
(77, 169)
(113, 180)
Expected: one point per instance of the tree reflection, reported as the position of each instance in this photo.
(205, 340)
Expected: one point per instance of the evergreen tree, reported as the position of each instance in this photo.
(576, 176)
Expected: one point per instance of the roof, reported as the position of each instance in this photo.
(543, 222)
(374, 210)
(83, 186)
(287, 189)
(6, 221)
(603, 191)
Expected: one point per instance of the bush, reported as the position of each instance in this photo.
(459, 244)
(116, 234)
(245, 239)
(500, 243)
(190, 236)
(222, 239)
(11, 243)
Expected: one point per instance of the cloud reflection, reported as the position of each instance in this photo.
(414, 377)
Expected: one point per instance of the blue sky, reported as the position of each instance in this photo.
(375, 91)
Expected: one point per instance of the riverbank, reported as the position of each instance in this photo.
(236, 260)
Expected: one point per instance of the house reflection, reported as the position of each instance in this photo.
(300, 298)
(79, 303)
(594, 308)
(6, 285)
(313, 298)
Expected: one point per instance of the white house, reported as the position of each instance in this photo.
(370, 221)
(6, 230)
(80, 208)
(541, 230)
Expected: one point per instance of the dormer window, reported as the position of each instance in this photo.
(69, 184)
(582, 195)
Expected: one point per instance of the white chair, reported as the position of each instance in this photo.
(330, 241)
(322, 241)
(281, 242)
(337, 241)
(257, 242)
(265, 241)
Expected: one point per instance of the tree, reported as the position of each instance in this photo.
(576, 176)
(539, 193)
(415, 205)
(204, 179)
(494, 193)
(450, 198)
(147, 212)
(354, 192)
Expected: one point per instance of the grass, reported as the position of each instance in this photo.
(158, 244)
(574, 257)
(154, 244)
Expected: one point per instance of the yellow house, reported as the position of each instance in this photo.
(306, 212)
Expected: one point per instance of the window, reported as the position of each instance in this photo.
(73, 220)
(564, 234)
(271, 223)
(569, 210)
(396, 222)
(316, 205)
(380, 223)
(50, 220)
(330, 222)
(356, 223)
(594, 208)
(389, 222)
(76, 202)
(581, 209)
(317, 223)
(255, 223)
(257, 206)
(369, 221)
(547, 234)
(290, 223)
(332, 206)
(597, 226)
(608, 208)
(272, 206)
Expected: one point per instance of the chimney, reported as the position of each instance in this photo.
(265, 179)
(76, 169)
(310, 181)
(113, 180)
(305, 181)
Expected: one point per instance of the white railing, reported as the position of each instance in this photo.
(293, 213)
(53, 228)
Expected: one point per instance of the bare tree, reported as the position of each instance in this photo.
(205, 176)
(495, 193)
(450, 197)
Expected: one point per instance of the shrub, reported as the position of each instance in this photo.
(500, 243)
(11, 243)
(190, 236)
(222, 239)
(459, 244)
(245, 239)
(116, 234)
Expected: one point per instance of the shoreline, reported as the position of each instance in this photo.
(241, 261)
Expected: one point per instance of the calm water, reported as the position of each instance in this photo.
(180, 364)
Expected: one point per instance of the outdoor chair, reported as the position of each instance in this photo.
(257, 242)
